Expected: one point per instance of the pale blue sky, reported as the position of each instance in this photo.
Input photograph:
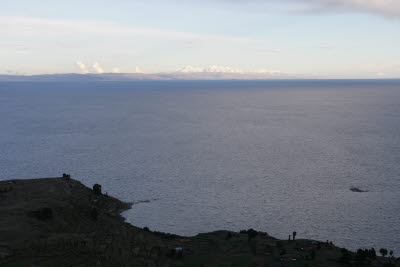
(302, 38)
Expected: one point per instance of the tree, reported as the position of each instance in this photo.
(383, 252)
(97, 189)
(372, 253)
(251, 233)
(391, 253)
(294, 235)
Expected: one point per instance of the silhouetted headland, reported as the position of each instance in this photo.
(61, 222)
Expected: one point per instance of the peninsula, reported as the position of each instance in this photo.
(61, 222)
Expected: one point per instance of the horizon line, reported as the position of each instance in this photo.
(175, 76)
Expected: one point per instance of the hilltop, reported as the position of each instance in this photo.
(62, 77)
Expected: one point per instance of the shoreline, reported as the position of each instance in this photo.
(60, 221)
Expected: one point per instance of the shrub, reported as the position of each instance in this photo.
(361, 255)
(383, 252)
(372, 254)
(97, 189)
(251, 233)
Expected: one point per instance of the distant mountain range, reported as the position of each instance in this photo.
(144, 76)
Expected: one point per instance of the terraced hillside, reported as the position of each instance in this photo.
(61, 222)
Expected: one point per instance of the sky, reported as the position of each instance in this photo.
(299, 38)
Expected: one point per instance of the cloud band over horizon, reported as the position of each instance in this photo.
(303, 38)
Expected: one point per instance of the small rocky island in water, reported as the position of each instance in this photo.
(60, 222)
(357, 190)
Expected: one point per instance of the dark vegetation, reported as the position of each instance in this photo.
(97, 189)
(366, 257)
(251, 233)
(383, 252)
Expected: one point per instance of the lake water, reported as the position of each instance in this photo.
(276, 156)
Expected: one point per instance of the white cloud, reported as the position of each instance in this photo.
(30, 26)
(210, 69)
(266, 71)
(327, 47)
(271, 50)
(190, 69)
(138, 70)
(82, 67)
(381, 75)
(222, 69)
(387, 8)
(97, 68)
(116, 70)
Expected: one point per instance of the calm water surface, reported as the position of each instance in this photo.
(201, 156)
